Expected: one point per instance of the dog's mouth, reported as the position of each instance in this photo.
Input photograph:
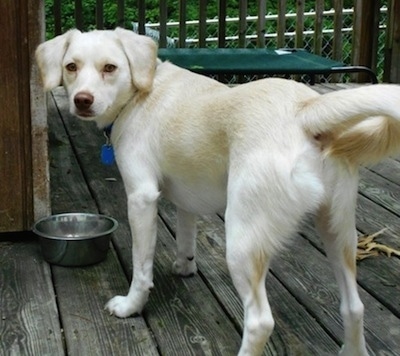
(85, 114)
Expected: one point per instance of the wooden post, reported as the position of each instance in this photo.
(221, 23)
(319, 15)
(38, 115)
(163, 23)
(182, 24)
(242, 23)
(392, 48)
(202, 23)
(262, 11)
(121, 13)
(338, 24)
(337, 53)
(99, 14)
(280, 43)
(79, 14)
(57, 17)
(141, 16)
(299, 24)
(365, 35)
(24, 179)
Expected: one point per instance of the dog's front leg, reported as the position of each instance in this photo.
(142, 212)
(186, 232)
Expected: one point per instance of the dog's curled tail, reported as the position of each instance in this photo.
(359, 125)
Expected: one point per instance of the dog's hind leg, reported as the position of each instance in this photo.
(335, 223)
(185, 264)
(248, 266)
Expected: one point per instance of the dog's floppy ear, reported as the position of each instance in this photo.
(49, 56)
(141, 52)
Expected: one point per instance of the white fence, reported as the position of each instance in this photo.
(270, 20)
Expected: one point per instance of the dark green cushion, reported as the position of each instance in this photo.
(247, 61)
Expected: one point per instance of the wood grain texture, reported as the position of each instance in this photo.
(381, 191)
(83, 292)
(389, 169)
(392, 45)
(184, 330)
(281, 26)
(29, 320)
(295, 332)
(308, 276)
(16, 204)
(69, 191)
(365, 37)
(185, 314)
(372, 218)
(89, 329)
(174, 335)
(190, 320)
(40, 158)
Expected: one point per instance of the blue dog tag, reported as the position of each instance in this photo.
(107, 155)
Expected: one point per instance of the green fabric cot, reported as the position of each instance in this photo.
(258, 61)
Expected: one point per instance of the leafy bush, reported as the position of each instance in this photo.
(152, 12)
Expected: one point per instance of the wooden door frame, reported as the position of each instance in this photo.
(40, 157)
(392, 47)
(24, 175)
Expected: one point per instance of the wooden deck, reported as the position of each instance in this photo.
(51, 310)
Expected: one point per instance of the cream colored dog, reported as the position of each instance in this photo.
(265, 153)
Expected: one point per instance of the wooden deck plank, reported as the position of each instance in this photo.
(373, 218)
(295, 330)
(305, 272)
(214, 272)
(308, 276)
(185, 317)
(378, 275)
(284, 341)
(177, 330)
(378, 208)
(88, 328)
(389, 169)
(181, 312)
(379, 190)
(69, 191)
(29, 320)
(83, 292)
(199, 315)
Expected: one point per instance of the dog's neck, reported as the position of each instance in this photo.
(108, 118)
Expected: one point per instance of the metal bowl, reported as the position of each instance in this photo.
(75, 239)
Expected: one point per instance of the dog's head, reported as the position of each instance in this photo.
(101, 70)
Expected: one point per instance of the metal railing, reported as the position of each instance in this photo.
(330, 33)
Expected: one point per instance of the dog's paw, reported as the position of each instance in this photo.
(185, 269)
(121, 307)
(359, 350)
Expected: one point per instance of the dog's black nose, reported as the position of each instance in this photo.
(83, 100)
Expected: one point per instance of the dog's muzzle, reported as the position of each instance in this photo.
(83, 102)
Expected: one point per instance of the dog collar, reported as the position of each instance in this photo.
(107, 151)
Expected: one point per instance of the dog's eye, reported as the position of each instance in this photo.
(109, 68)
(71, 67)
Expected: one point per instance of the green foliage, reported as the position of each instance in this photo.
(111, 20)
